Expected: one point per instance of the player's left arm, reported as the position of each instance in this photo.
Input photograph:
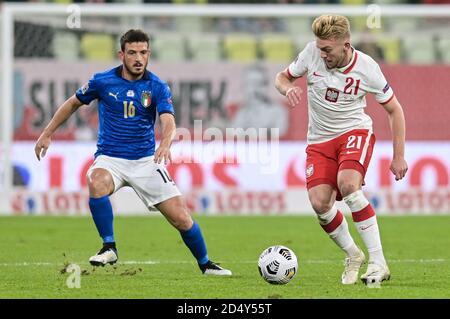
(168, 129)
(398, 167)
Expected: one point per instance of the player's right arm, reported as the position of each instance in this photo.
(84, 95)
(61, 115)
(284, 81)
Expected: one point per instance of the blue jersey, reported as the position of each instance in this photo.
(126, 112)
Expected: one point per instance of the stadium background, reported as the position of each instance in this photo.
(221, 70)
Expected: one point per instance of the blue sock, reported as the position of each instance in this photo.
(193, 238)
(102, 214)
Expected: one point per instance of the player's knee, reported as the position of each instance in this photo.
(99, 185)
(320, 204)
(348, 187)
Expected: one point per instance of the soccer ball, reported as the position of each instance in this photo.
(277, 265)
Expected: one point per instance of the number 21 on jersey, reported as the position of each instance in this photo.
(348, 88)
(129, 110)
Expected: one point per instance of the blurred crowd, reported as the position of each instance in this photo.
(232, 38)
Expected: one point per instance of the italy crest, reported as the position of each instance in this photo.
(146, 98)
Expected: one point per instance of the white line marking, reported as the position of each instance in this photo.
(27, 264)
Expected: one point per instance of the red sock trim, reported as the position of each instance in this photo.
(363, 214)
(335, 223)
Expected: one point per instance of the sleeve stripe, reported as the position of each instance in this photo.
(289, 73)
(392, 96)
(79, 97)
(170, 112)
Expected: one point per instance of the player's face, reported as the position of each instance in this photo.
(135, 57)
(334, 52)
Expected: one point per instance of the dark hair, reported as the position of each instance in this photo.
(133, 35)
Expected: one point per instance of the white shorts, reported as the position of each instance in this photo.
(151, 181)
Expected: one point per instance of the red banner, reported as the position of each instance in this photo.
(226, 95)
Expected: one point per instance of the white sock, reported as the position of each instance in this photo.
(334, 223)
(366, 223)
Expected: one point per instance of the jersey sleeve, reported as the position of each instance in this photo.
(88, 92)
(164, 100)
(301, 64)
(379, 86)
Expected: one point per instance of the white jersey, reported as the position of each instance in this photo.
(336, 97)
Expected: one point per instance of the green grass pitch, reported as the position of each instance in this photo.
(154, 263)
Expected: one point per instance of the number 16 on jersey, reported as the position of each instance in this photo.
(129, 110)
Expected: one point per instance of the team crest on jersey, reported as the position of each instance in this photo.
(309, 170)
(146, 98)
(332, 95)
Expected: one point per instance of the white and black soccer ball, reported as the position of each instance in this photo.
(277, 265)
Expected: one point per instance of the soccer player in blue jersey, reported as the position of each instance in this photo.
(129, 97)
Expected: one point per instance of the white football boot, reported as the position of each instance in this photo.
(352, 265)
(211, 268)
(376, 273)
(106, 255)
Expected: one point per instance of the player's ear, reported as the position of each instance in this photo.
(347, 45)
(120, 55)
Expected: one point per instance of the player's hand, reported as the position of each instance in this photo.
(42, 145)
(162, 154)
(399, 167)
(294, 96)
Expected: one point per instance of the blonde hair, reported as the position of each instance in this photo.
(330, 26)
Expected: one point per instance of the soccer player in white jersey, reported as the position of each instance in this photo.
(129, 98)
(340, 138)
